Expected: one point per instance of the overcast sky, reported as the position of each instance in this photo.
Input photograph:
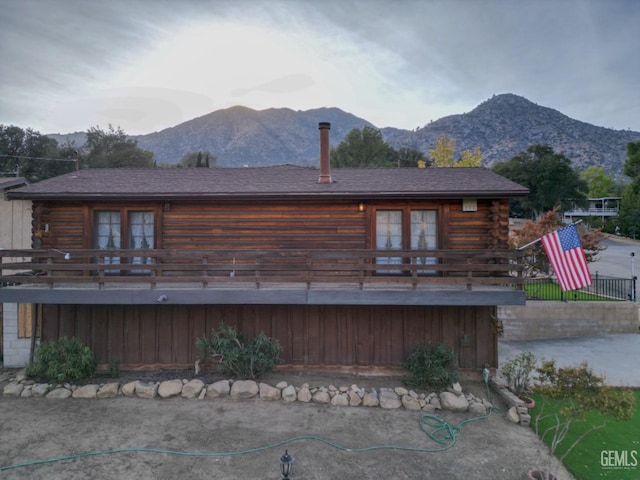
(69, 65)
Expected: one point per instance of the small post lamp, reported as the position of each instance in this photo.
(286, 462)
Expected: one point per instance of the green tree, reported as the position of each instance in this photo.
(198, 159)
(112, 149)
(629, 214)
(600, 184)
(410, 157)
(363, 148)
(550, 179)
(29, 154)
(632, 163)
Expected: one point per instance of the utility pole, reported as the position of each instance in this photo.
(633, 278)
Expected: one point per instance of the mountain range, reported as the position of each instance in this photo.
(501, 126)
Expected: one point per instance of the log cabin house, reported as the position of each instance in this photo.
(345, 267)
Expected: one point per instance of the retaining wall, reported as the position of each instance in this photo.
(540, 319)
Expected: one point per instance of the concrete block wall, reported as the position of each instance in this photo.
(540, 320)
(16, 350)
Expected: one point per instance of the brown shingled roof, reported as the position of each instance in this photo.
(269, 182)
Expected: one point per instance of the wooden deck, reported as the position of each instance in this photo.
(431, 277)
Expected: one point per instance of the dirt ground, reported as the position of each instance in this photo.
(229, 439)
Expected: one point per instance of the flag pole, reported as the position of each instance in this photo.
(538, 239)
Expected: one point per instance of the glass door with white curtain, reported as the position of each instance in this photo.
(423, 236)
(140, 236)
(389, 236)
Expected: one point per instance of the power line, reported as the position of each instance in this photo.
(39, 158)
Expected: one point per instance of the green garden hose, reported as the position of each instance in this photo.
(436, 428)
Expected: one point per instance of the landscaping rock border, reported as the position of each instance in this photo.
(454, 399)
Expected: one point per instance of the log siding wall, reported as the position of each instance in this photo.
(265, 226)
(282, 224)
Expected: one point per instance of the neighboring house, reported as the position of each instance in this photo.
(15, 216)
(15, 233)
(598, 207)
(350, 267)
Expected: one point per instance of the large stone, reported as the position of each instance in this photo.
(477, 408)
(129, 389)
(389, 399)
(370, 399)
(512, 415)
(218, 389)
(170, 388)
(456, 388)
(108, 390)
(289, 394)
(40, 389)
(192, 388)
(27, 392)
(321, 397)
(400, 391)
(354, 398)
(455, 403)
(146, 390)
(410, 403)
(244, 389)
(304, 395)
(340, 400)
(86, 391)
(13, 389)
(59, 392)
(267, 392)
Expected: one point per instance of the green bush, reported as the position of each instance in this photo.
(431, 366)
(64, 360)
(518, 371)
(240, 358)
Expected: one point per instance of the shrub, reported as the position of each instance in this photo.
(240, 358)
(64, 360)
(431, 366)
(518, 371)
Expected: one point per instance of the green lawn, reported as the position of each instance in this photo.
(551, 291)
(598, 455)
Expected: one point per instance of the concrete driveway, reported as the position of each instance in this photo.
(615, 356)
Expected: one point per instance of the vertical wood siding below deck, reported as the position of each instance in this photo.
(309, 334)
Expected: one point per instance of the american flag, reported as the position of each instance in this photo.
(567, 258)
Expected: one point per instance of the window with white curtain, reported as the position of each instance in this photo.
(140, 236)
(423, 235)
(391, 234)
(138, 230)
(108, 230)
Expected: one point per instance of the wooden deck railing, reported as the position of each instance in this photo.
(55, 268)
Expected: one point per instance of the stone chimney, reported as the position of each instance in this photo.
(325, 168)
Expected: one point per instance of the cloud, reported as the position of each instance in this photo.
(71, 64)
(286, 84)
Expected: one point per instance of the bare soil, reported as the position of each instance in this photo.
(228, 439)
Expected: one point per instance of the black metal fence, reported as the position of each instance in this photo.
(602, 289)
